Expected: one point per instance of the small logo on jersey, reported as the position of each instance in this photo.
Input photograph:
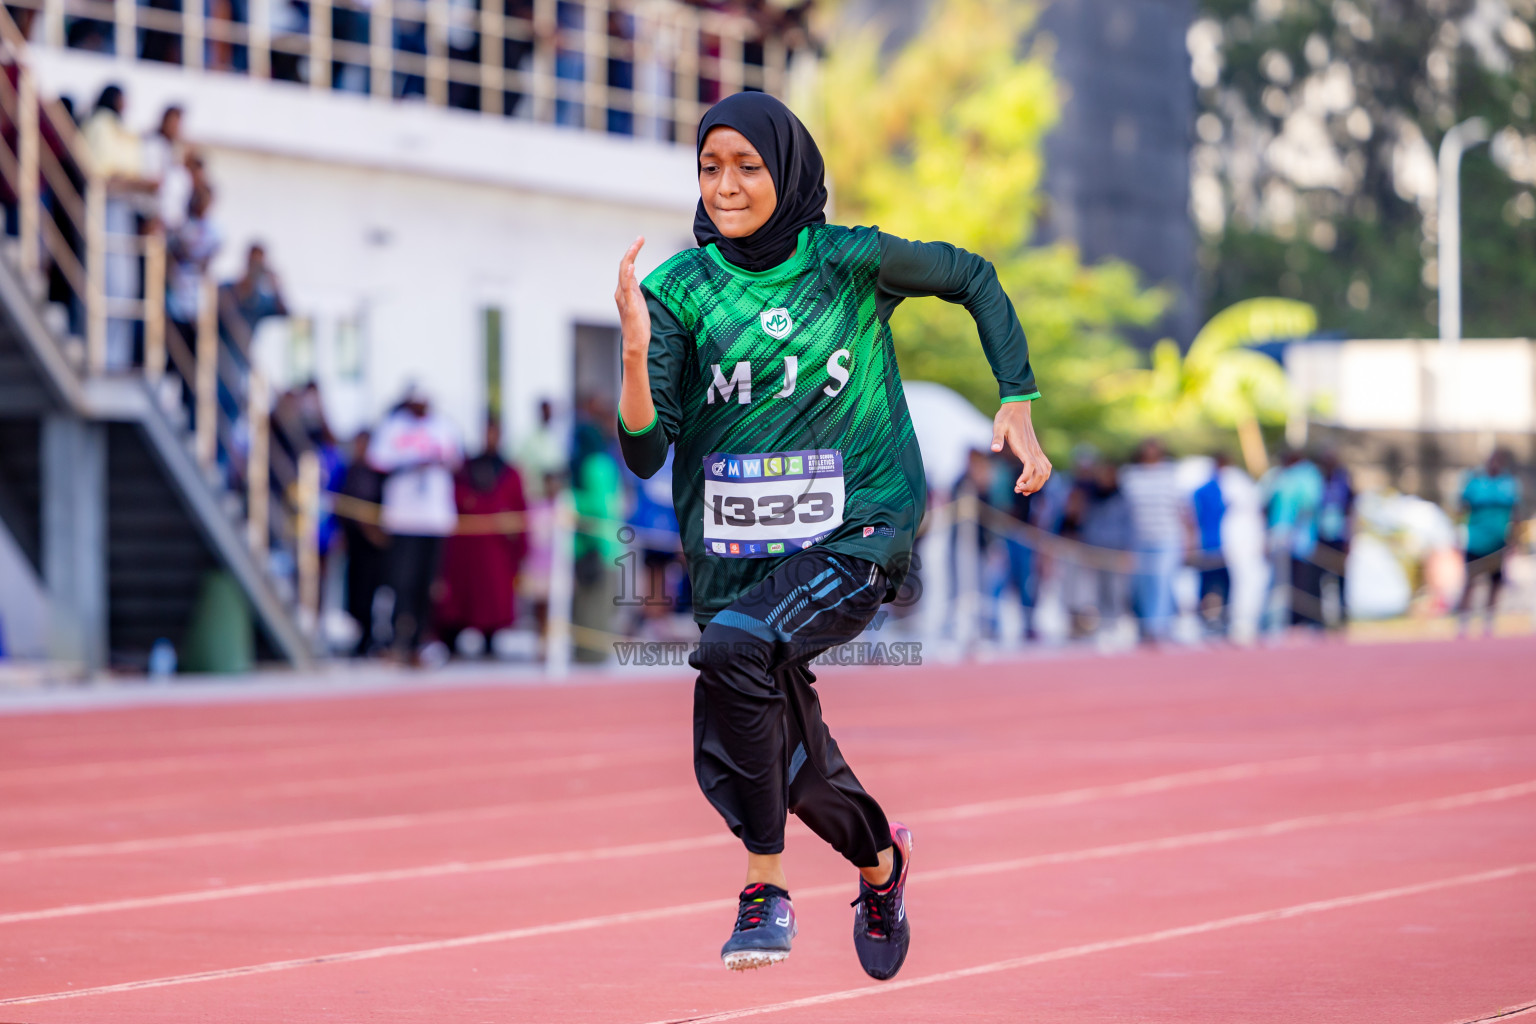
(777, 323)
(754, 549)
(773, 467)
(796, 464)
(735, 549)
(718, 547)
(775, 547)
(733, 468)
(869, 531)
(718, 468)
(752, 467)
(806, 543)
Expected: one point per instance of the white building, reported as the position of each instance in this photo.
(416, 241)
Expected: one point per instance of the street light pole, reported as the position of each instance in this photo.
(1456, 142)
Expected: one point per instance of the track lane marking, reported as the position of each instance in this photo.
(1523, 1009)
(1110, 945)
(1153, 784)
(347, 826)
(256, 759)
(690, 843)
(345, 784)
(679, 910)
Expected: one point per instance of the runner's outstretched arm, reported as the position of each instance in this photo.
(912, 269)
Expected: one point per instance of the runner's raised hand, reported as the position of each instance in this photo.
(634, 318)
(1013, 426)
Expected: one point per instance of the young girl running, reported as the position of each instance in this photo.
(765, 356)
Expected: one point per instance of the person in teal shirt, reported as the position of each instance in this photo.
(1489, 498)
(1293, 509)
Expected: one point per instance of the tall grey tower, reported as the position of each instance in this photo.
(1117, 166)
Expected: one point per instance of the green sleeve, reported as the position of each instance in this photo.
(645, 445)
(913, 269)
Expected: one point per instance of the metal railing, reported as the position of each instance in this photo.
(56, 201)
(635, 67)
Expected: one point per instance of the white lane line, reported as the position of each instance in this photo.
(346, 826)
(450, 868)
(335, 749)
(1110, 945)
(1203, 776)
(683, 909)
(1136, 787)
(344, 784)
(532, 860)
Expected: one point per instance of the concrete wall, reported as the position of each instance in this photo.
(401, 223)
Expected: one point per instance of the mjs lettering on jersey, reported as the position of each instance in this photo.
(739, 384)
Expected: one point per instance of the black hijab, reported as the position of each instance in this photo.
(793, 161)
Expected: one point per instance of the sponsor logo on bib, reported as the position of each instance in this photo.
(777, 322)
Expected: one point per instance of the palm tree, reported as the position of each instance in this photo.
(1221, 381)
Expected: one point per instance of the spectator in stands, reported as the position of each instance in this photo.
(165, 163)
(190, 249)
(1489, 497)
(365, 540)
(479, 580)
(1210, 509)
(1297, 494)
(249, 299)
(1335, 525)
(1159, 522)
(418, 452)
(119, 159)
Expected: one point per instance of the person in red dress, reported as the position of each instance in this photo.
(479, 577)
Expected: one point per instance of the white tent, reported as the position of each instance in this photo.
(948, 427)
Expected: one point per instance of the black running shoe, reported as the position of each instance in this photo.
(765, 927)
(880, 930)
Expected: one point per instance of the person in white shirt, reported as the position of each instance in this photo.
(418, 453)
(165, 162)
(1159, 524)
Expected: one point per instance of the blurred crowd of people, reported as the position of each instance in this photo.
(1263, 555)
(443, 552)
(439, 551)
(159, 184)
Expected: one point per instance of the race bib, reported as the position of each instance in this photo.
(762, 506)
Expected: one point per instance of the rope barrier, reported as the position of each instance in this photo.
(993, 519)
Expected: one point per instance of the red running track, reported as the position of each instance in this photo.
(1325, 833)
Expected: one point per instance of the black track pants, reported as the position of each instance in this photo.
(760, 748)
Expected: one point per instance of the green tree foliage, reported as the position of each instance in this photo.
(942, 140)
(1315, 177)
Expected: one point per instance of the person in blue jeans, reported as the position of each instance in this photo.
(1489, 497)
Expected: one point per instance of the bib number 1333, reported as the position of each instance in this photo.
(764, 505)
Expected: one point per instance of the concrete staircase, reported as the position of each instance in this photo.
(100, 491)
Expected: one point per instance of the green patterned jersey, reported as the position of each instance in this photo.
(780, 392)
